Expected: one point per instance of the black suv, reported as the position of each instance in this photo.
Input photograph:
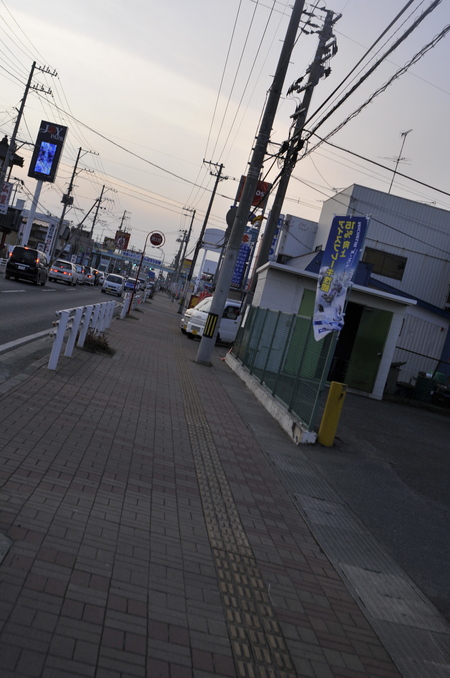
(28, 264)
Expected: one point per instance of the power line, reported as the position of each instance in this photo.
(396, 75)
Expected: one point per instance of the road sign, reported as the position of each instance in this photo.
(157, 239)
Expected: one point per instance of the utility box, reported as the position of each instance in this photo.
(393, 378)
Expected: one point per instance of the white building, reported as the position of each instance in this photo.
(407, 243)
(408, 249)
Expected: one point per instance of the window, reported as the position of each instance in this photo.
(384, 263)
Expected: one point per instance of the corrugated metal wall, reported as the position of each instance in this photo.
(420, 344)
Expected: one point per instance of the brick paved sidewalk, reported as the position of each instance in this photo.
(150, 535)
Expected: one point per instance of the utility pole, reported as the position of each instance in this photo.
(12, 144)
(324, 51)
(188, 237)
(67, 200)
(202, 232)
(124, 216)
(99, 202)
(229, 261)
(181, 240)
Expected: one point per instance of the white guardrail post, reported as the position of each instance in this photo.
(125, 306)
(78, 320)
(73, 331)
(60, 332)
(86, 321)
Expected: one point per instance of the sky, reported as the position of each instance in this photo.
(150, 90)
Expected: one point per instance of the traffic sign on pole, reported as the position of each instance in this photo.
(157, 239)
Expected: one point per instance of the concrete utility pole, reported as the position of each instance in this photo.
(181, 239)
(124, 216)
(325, 50)
(99, 202)
(229, 261)
(202, 232)
(188, 237)
(12, 144)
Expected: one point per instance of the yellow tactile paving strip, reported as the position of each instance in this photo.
(257, 643)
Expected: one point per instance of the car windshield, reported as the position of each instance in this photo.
(204, 305)
(114, 279)
(63, 264)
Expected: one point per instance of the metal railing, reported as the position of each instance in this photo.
(280, 351)
(75, 322)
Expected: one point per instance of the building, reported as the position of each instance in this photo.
(397, 314)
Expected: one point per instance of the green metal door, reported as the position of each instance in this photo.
(368, 349)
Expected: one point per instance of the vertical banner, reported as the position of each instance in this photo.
(248, 242)
(5, 195)
(339, 263)
(51, 232)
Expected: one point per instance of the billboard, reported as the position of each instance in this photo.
(47, 151)
(109, 244)
(261, 193)
(121, 240)
(339, 263)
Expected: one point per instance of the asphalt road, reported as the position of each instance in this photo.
(391, 464)
(26, 309)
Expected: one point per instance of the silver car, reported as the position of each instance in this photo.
(113, 284)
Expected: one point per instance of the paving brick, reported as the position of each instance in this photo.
(125, 506)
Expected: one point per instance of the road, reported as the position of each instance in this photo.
(26, 309)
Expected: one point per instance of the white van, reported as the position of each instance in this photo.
(204, 303)
(229, 323)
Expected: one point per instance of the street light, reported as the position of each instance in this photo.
(157, 240)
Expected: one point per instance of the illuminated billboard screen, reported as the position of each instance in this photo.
(47, 151)
(45, 158)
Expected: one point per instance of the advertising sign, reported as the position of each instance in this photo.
(241, 262)
(137, 256)
(339, 262)
(109, 244)
(47, 151)
(121, 240)
(51, 231)
(261, 194)
(5, 195)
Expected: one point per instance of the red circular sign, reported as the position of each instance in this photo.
(156, 239)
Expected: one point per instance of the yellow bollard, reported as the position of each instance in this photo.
(331, 413)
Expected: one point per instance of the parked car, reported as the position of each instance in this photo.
(89, 276)
(229, 323)
(204, 303)
(114, 284)
(81, 274)
(28, 264)
(64, 271)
